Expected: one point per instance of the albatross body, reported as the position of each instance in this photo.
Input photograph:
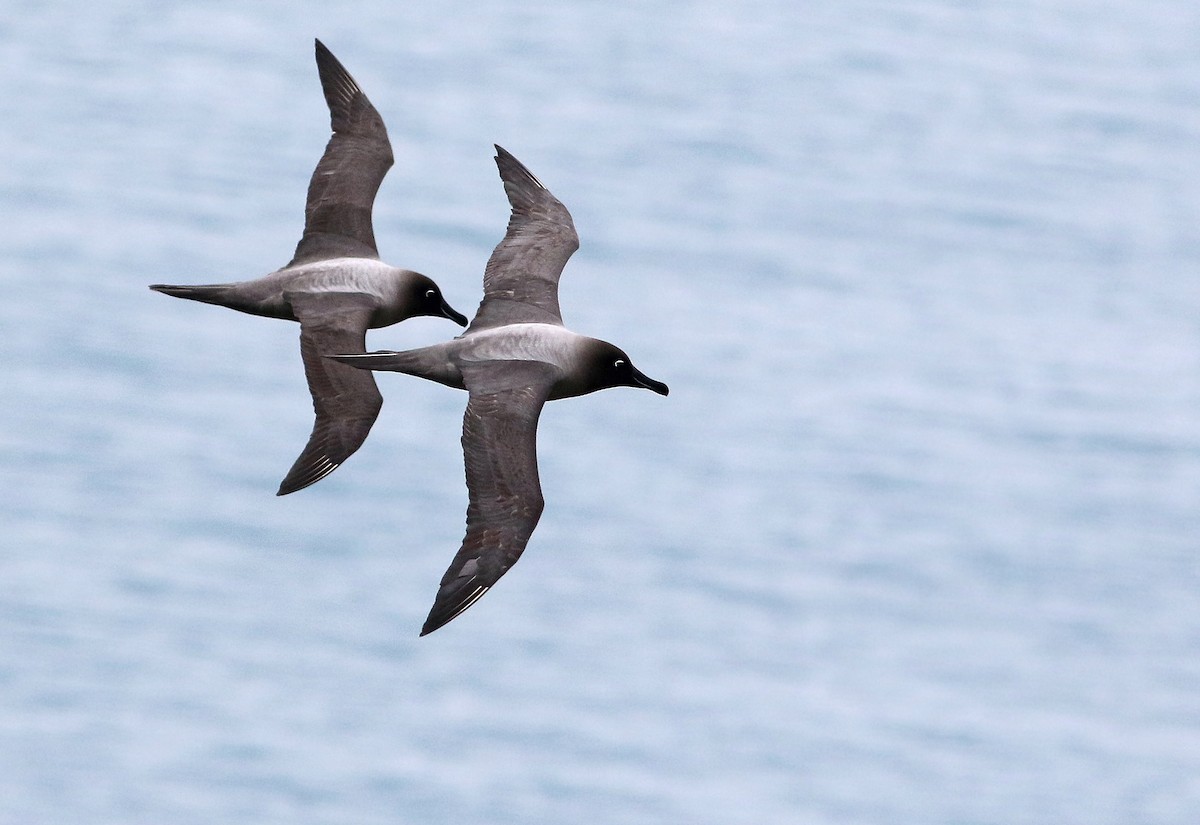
(514, 357)
(335, 286)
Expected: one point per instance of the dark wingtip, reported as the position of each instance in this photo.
(438, 617)
(339, 87)
(435, 622)
(430, 626)
(304, 474)
(512, 170)
(324, 56)
(290, 485)
(452, 600)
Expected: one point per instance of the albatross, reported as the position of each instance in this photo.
(514, 357)
(335, 285)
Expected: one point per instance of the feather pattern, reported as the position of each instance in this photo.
(341, 193)
(499, 443)
(520, 282)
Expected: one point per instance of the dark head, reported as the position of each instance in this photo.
(426, 299)
(609, 366)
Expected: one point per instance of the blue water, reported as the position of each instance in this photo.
(914, 539)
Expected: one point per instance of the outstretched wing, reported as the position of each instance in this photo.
(520, 284)
(345, 399)
(337, 216)
(505, 497)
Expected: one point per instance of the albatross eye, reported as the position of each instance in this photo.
(431, 293)
(619, 363)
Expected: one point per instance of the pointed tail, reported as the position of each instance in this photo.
(381, 360)
(208, 293)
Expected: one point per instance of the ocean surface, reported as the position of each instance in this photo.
(914, 539)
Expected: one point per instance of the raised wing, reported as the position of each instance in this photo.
(520, 284)
(500, 454)
(337, 215)
(345, 399)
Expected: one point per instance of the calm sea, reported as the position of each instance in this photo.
(914, 539)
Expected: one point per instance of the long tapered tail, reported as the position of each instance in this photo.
(382, 360)
(432, 363)
(208, 293)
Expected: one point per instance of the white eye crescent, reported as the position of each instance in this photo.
(431, 293)
(620, 362)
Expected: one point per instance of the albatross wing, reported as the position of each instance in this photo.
(337, 215)
(505, 496)
(345, 400)
(520, 283)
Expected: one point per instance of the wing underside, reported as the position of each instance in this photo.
(505, 497)
(345, 399)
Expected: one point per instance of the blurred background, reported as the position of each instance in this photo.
(913, 539)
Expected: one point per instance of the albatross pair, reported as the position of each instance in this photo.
(513, 357)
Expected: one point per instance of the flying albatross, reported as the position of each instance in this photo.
(514, 357)
(335, 285)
